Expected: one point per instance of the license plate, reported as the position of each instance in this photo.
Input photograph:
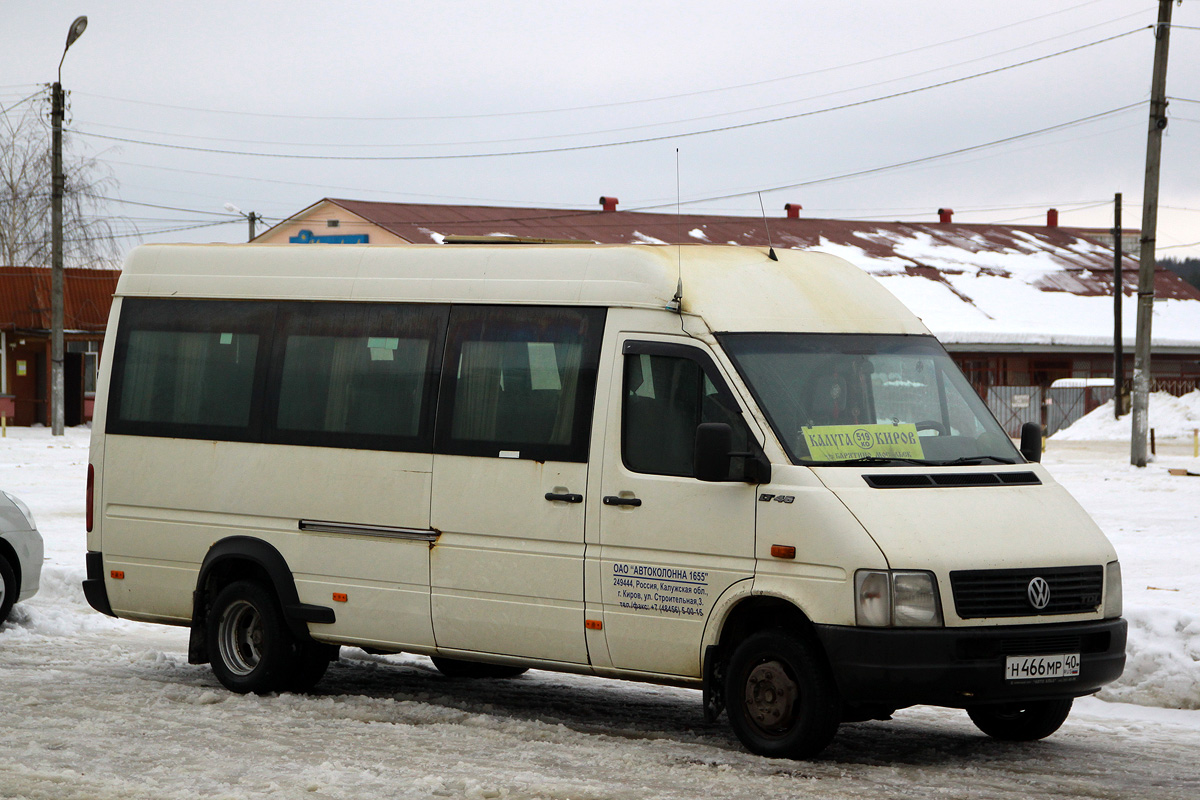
(1030, 668)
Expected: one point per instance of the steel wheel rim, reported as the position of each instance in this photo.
(241, 638)
(771, 695)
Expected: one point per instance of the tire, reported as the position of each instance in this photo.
(781, 698)
(8, 588)
(1021, 722)
(454, 668)
(248, 641)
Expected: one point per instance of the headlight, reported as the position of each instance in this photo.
(1112, 590)
(896, 598)
(24, 509)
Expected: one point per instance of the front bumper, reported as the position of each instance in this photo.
(960, 667)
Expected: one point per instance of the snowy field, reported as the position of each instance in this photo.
(92, 707)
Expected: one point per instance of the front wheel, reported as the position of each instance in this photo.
(248, 640)
(1021, 722)
(781, 698)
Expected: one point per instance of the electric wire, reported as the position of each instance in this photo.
(615, 104)
(599, 145)
(623, 129)
(912, 162)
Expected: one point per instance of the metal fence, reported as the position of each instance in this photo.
(1016, 405)
(1013, 406)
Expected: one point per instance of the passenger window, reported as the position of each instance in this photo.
(357, 375)
(666, 398)
(187, 368)
(520, 382)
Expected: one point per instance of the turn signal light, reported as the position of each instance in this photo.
(593, 624)
(340, 597)
(117, 574)
(783, 551)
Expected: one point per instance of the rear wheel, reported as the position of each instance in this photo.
(248, 640)
(454, 668)
(8, 588)
(781, 698)
(1021, 722)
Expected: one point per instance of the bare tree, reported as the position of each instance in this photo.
(88, 238)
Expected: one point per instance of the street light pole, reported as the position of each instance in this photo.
(57, 185)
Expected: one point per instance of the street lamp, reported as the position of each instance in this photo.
(252, 218)
(56, 254)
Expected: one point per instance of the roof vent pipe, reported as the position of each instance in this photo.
(944, 215)
(1052, 218)
(793, 210)
(608, 203)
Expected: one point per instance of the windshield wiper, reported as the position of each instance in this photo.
(876, 460)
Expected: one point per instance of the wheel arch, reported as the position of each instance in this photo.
(247, 558)
(740, 613)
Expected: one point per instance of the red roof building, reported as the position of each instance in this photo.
(25, 341)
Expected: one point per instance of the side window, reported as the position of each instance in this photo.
(519, 382)
(357, 375)
(189, 369)
(665, 398)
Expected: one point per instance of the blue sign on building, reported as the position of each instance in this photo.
(307, 237)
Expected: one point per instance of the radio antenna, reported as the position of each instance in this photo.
(770, 247)
(677, 301)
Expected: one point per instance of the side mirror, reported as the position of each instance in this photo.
(714, 451)
(1031, 441)
(714, 446)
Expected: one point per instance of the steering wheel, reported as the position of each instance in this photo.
(932, 425)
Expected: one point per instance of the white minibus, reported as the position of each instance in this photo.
(757, 475)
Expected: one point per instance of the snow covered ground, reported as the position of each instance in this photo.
(92, 707)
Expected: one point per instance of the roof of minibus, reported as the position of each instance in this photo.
(732, 288)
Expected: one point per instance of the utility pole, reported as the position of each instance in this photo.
(57, 184)
(252, 218)
(1145, 307)
(1118, 291)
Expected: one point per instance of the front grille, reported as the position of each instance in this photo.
(1005, 592)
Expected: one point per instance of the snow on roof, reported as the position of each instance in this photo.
(987, 285)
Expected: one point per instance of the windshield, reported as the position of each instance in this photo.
(867, 399)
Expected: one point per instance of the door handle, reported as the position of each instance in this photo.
(564, 497)
(613, 500)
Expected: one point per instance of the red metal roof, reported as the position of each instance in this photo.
(1080, 268)
(25, 298)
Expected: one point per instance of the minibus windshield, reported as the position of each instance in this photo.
(845, 399)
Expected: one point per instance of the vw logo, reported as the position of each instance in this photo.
(1038, 593)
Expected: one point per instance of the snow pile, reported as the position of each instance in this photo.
(1171, 418)
(1162, 666)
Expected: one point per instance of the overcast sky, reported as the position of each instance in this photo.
(383, 101)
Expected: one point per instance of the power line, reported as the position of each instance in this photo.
(622, 129)
(657, 99)
(574, 148)
(233, 217)
(912, 162)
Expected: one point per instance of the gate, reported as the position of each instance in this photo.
(1013, 406)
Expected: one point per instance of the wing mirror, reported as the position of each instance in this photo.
(1031, 441)
(714, 452)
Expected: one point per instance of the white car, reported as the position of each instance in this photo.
(20, 553)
